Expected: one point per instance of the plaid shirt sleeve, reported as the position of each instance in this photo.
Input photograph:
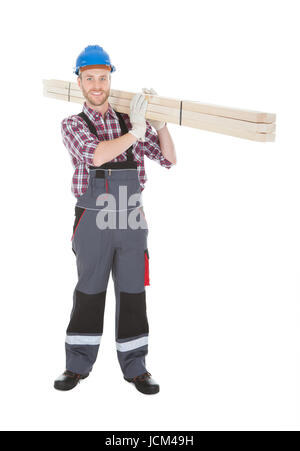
(79, 141)
(152, 148)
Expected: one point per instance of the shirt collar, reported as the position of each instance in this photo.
(95, 115)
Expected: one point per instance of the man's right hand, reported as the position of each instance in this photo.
(138, 108)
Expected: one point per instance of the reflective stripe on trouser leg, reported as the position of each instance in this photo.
(131, 317)
(84, 331)
(132, 344)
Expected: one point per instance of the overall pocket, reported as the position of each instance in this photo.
(79, 212)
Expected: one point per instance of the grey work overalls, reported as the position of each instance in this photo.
(120, 247)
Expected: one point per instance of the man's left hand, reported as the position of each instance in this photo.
(156, 124)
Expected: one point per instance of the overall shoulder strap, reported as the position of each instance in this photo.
(89, 123)
(124, 130)
(121, 122)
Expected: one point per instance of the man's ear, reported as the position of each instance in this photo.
(79, 82)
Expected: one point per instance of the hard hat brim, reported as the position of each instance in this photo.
(78, 70)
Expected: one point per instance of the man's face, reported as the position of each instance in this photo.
(95, 85)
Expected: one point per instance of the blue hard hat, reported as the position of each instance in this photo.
(93, 55)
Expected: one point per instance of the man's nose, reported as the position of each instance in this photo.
(97, 86)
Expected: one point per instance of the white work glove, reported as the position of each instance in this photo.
(138, 106)
(156, 124)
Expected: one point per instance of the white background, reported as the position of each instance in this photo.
(223, 304)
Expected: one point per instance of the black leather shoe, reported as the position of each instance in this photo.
(144, 383)
(68, 380)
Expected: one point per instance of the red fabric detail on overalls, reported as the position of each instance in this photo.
(147, 281)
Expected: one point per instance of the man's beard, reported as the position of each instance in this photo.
(93, 100)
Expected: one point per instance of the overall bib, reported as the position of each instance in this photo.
(110, 234)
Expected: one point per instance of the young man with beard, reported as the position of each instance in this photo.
(107, 150)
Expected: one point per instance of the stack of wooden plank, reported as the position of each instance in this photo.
(247, 124)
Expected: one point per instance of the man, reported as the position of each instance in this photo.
(107, 149)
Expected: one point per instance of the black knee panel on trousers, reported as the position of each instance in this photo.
(133, 318)
(87, 316)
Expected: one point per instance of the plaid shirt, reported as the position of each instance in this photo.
(81, 144)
